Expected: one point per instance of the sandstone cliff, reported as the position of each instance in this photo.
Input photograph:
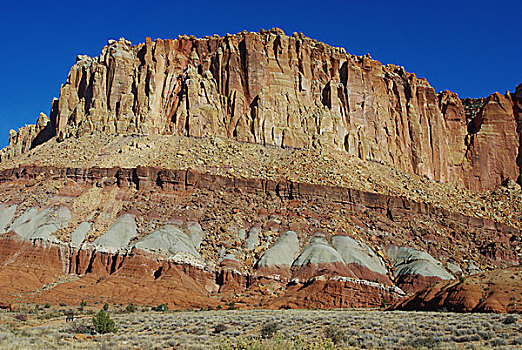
(285, 91)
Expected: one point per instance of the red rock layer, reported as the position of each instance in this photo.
(492, 291)
(273, 89)
(332, 294)
(413, 283)
(38, 272)
(165, 179)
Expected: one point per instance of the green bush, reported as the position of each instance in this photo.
(220, 327)
(160, 307)
(131, 308)
(47, 305)
(105, 307)
(83, 304)
(269, 330)
(103, 324)
(335, 334)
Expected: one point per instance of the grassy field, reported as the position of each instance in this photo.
(264, 329)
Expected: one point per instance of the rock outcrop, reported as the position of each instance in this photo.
(415, 269)
(361, 259)
(123, 227)
(493, 291)
(119, 235)
(278, 259)
(168, 240)
(38, 223)
(318, 258)
(285, 91)
(260, 169)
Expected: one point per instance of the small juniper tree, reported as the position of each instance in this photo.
(130, 308)
(103, 324)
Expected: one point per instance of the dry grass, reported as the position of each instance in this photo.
(298, 329)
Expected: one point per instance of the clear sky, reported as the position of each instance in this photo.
(471, 47)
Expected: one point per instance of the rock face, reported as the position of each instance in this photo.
(278, 259)
(492, 291)
(123, 235)
(415, 269)
(28, 137)
(319, 258)
(41, 223)
(169, 240)
(361, 260)
(119, 235)
(284, 91)
(192, 227)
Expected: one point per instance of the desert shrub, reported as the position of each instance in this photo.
(105, 307)
(510, 319)
(278, 342)
(231, 306)
(428, 342)
(517, 341)
(80, 327)
(47, 305)
(486, 334)
(83, 304)
(269, 330)
(335, 334)
(497, 342)
(160, 307)
(220, 327)
(21, 317)
(103, 324)
(130, 308)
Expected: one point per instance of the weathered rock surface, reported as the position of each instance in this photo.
(169, 240)
(278, 259)
(79, 233)
(361, 259)
(28, 137)
(415, 269)
(252, 238)
(119, 235)
(318, 258)
(41, 223)
(135, 204)
(284, 91)
(6, 216)
(493, 291)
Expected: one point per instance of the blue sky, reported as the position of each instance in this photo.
(471, 47)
